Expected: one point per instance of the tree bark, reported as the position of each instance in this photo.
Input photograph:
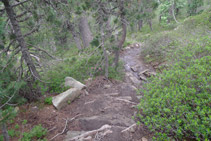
(85, 31)
(19, 37)
(124, 32)
(5, 132)
(173, 13)
(71, 27)
(104, 52)
(150, 24)
(140, 25)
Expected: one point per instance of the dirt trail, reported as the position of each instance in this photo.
(108, 104)
(113, 104)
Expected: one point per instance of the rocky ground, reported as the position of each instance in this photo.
(105, 111)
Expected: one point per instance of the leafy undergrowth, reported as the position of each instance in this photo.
(159, 46)
(176, 103)
(80, 68)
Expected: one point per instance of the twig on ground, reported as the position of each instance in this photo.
(62, 130)
(65, 127)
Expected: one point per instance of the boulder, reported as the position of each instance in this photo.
(71, 82)
(62, 99)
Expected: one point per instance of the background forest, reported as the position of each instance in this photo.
(43, 41)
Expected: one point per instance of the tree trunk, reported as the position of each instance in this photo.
(19, 36)
(140, 25)
(150, 24)
(71, 27)
(173, 13)
(85, 31)
(104, 52)
(124, 32)
(5, 132)
(170, 13)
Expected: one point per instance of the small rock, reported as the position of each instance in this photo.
(137, 45)
(86, 93)
(153, 73)
(139, 97)
(72, 134)
(107, 86)
(142, 77)
(144, 139)
(17, 109)
(134, 80)
(127, 48)
(142, 72)
(89, 138)
(134, 68)
(133, 87)
(147, 74)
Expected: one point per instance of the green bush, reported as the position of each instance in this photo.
(159, 46)
(48, 100)
(177, 102)
(78, 69)
(37, 132)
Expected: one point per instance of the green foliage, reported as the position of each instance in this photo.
(11, 133)
(48, 100)
(24, 122)
(160, 45)
(37, 132)
(193, 5)
(1, 138)
(177, 102)
(78, 69)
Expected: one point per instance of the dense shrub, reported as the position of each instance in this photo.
(177, 102)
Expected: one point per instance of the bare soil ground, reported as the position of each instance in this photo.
(107, 102)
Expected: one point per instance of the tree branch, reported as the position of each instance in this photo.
(1, 10)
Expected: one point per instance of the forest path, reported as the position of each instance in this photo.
(103, 112)
(111, 103)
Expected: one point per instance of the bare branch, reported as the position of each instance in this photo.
(1, 10)
(20, 15)
(6, 103)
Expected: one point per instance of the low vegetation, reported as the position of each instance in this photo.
(176, 102)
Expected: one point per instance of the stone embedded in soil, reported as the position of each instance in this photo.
(134, 80)
(144, 139)
(107, 86)
(134, 68)
(142, 72)
(71, 82)
(95, 122)
(72, 134)
(62, 99)
(142, 77)
(139, 97)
